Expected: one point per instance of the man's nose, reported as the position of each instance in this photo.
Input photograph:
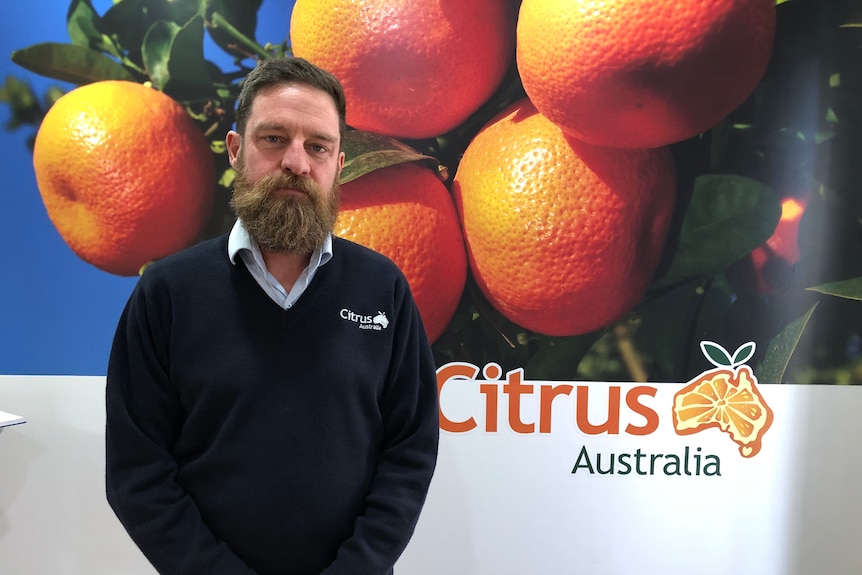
(295, 159)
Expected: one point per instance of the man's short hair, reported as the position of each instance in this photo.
(288, 70)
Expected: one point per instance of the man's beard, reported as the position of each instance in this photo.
(284, 223)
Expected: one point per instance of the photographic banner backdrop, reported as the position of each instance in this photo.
(624, 259)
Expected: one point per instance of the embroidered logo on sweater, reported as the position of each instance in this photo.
(377, 322)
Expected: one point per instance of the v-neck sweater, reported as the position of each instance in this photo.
(246, 438)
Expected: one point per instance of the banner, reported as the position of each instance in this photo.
(694, 190)
(630, 229)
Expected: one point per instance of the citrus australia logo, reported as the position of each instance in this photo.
(725, 397)
(377, 322)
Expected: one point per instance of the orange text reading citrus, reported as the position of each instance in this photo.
(516, 392)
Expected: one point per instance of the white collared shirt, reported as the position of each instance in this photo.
(239, 242)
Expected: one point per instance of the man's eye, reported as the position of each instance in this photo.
(317, 148)
(272, 139)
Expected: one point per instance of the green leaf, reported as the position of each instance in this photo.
(848, 289)
(238, 42)
(781, 349)
(558, 358)
(187, 64)
(366, 151)
(667, 326)
(176, 11)
(70, 63)
(83, 24)
(23, 103)
(673, 323)
(728, 217)
(85, 28)
(242, 15)
(128, 22)
(173, 57)
(744, 353)
(157, 51)
(51, 95)
(716, 354)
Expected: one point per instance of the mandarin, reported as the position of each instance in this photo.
(406, 213)
(410, 68)
(563, 238)
(635, 74)
(125, 174)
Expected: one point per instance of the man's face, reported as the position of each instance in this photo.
(287, 164)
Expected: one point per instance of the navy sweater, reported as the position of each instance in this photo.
(245, 438)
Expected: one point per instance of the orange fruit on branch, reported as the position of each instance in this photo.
(410, 68)
(406, 213)
(636, 74)
(563, 238)
(125, 174)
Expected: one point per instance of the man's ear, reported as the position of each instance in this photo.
(233, 141)
(340, 163)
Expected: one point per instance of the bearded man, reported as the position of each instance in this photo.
(261, 416)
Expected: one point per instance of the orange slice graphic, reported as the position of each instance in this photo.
(726, 399)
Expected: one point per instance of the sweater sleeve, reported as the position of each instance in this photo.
(143, 418)
(409, 455)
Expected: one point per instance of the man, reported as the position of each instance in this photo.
(271, 396)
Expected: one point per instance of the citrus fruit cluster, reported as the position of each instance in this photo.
(560, 113)
(566, 196)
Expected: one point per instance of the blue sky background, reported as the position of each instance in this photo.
(57, 312)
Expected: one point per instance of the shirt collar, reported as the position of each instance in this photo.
(239, 240)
